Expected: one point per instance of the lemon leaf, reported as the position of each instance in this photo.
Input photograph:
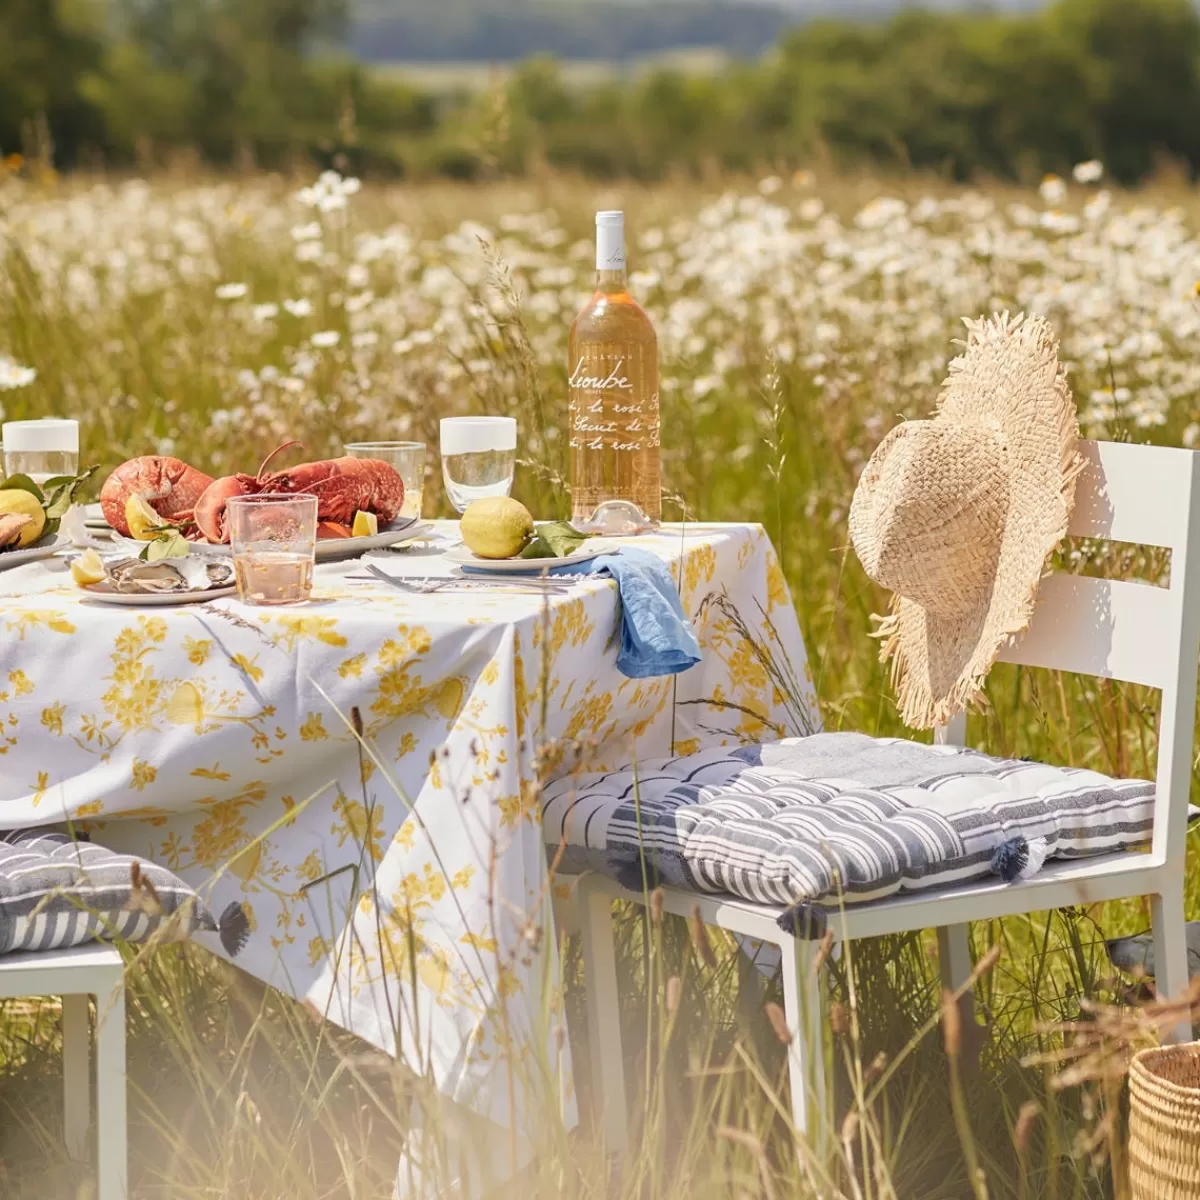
(554, 539)
(166, 545)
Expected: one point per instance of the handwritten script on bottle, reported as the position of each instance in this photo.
(599, 422)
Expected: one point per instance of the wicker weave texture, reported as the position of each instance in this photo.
(1164, 1123)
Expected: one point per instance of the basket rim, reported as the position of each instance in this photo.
(1142, 1071)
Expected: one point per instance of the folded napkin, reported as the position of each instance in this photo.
(656, 637)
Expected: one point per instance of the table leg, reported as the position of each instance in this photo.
(112, 1151)
(77, 1074)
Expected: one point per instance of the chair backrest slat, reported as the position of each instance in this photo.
(1104, 627)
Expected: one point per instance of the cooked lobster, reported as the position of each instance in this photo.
(171, 487)
(342, 486)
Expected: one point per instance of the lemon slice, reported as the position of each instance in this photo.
(87, 569)
(366, 524)
(142, 520)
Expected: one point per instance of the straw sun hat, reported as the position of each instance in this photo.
(958, 515)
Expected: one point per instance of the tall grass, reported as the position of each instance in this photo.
(789, 347)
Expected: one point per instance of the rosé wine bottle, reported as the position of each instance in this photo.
(614, 417)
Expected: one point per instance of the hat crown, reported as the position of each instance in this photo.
(928, 516)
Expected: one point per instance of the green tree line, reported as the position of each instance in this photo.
(119, 81)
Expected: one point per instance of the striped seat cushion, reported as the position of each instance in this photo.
(838, 814)
(56, 892)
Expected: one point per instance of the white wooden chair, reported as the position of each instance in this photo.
(1113, 629)
(90, 970)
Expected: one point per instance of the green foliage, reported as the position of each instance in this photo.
(958, 93)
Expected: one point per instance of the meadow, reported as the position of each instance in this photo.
(799, 318)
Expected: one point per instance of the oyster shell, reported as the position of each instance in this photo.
(132, 575)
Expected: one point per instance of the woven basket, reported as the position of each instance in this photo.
(1164, 1123)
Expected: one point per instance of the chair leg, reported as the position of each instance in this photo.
(954, 961)
(803, 993)
(1171, 956)
(112, 1151)
(603, 1015)
(77, 1074)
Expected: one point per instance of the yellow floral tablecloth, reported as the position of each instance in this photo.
(218, 740)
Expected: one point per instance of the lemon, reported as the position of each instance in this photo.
(365, 525)
(496, 527)
(24, 504)
(142, 520)
(87, 569)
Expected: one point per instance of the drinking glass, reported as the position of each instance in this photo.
(41, 449)
(409, 460)
(478, 457)
(274, 538)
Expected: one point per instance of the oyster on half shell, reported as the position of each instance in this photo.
(132, 575)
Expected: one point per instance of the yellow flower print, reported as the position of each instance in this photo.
(434, 969)
(52, 718)
(700, 567)
(487, 944)
(220, 833)
(358, 825)
(352, 668)
(310, 868)
(298, 629)
(514, 809)
(56, 622)
(91, 808)
(197, 650)
(143, 774)
(777, 588)
(41, 787)
(406, 834)
(686, 746)
(249, 666)
(462, 877)
(213, 772)
(20, 683)
(408, 743)
(490, 673)
(318, 950)
(313, 729)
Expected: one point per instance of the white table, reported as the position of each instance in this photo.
(217, 740)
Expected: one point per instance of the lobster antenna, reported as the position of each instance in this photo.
(278, 450)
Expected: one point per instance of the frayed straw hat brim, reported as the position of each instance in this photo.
(1010, 382)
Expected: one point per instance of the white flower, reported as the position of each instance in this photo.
(291, 384)
(165, 445)
(231, 291)
(310, 197)
(351, 186)
(1053, 190)
(1191, 435)
(265, 312)
(770, 185)
(269, 374)
(1091, 171)
(309, 251)
(365, 340)
(325, 339)
(13, 375)
(299, 308)
(357, 276)
(306, 233)
(332, 203)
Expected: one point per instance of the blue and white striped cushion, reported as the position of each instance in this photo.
(56, 892)
(836, 814)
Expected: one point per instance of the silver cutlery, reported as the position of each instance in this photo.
(430, 585)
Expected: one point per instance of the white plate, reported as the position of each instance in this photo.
(105, 594)
(519, 566)
(328, 549)
(34, 553)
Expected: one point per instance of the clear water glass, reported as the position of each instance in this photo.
(409, 460)
(479, 455)
(41, 449)
(274, 539)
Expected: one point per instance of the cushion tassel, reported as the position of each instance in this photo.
(1018, 858)
(806, 921)
(233, 929)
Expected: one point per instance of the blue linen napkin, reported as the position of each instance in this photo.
(656, 636)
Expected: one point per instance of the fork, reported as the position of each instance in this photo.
(426, 587)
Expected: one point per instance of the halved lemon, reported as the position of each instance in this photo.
(87, 569)
(366, 524)
(142, 520)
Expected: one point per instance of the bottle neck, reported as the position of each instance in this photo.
(611, 282)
